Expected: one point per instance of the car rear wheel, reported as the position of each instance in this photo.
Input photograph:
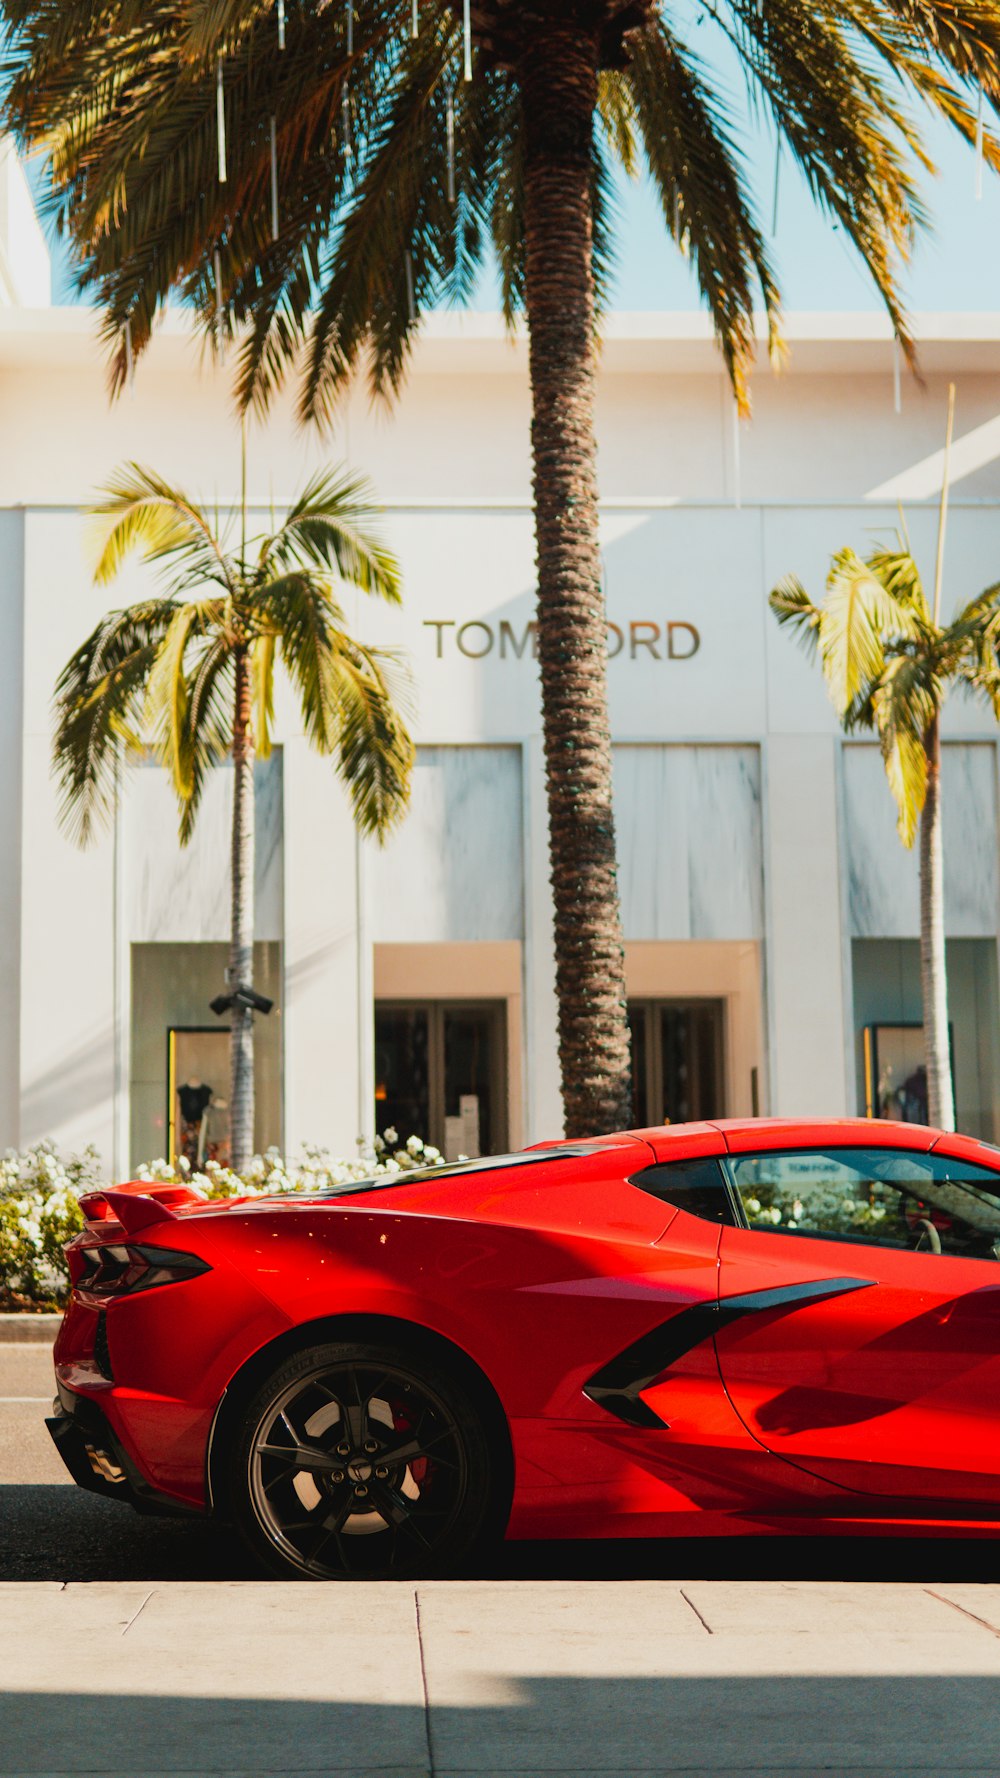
(362, 1462)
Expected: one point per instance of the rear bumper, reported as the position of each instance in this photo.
(96, 1460)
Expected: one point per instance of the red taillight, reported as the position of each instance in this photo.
(123, 1268)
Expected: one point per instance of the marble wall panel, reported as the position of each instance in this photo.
(688, 822)
(454, 870)
(883, 880)
(182, 895)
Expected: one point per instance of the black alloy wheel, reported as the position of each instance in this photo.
(359, 1462)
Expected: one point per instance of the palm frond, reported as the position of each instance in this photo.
(616, 110)
(980, 612)
(905, 704)
(167, 698)
(299, 609)
(334, 525)
(167, 711)
(897, 571)
(208, 737)
(141, 512)
(837, 107)
(858, 617)
(400, 205)
(99, 700)
(969, 649)
(121, 96)
(507, 222)
(375, 752)
(699, 172)
(905, 764)
(793, 607)
(262, 668)
(352, 698)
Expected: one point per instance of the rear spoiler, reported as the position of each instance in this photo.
(137, 1204)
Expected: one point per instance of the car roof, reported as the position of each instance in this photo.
(738, 1130)
(740, 1135)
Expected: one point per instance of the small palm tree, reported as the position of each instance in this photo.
(889, 664)
(191, 672)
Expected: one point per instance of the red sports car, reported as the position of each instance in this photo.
(708, 1328)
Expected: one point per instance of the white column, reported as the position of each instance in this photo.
(542, 1096)
(67, 1022)
(67, 1004)
(11, 818)
(323, 1044)
(122, 990)
(805, 955)
(364, 993)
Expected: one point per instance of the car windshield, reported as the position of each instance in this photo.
(452, 1169)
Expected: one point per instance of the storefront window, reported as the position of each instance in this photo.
(179, 1080)
(198, 1095)
(896, 1072)
(888, 1015)
(402, 1088)
(677, 1072)
(440, 1074)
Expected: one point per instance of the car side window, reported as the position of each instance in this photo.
(698, 1186)
(887, 1197)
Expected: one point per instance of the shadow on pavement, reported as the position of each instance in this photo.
(696, 1725)
(61, 1533)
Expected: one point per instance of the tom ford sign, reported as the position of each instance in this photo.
(636, 641)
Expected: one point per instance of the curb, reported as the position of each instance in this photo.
(22, 1330)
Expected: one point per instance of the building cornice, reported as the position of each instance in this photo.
(679, 343)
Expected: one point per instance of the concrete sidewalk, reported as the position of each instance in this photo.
(500, 1678)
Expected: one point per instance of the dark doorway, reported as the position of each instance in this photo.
(440, 1073)
(677, 1061)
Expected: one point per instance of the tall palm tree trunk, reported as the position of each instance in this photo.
(933, 976)
(559, 92)
(241, 1099)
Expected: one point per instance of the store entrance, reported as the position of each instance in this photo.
(440, 1073)
(677, 1061)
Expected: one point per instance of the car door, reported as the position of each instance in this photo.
(859, 1316)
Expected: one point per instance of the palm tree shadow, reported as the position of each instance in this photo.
(961, 1334)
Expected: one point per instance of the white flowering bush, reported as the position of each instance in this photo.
(39, 1212)
(40, 1193)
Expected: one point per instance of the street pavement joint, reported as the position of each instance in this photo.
(702, 1620)
(976, 1619)
(423, 1685)
(136, 1614)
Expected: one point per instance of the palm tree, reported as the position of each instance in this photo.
(311, 177)
(192, 673)
(889, 664)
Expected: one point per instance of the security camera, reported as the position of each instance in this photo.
(251, 1000)
(246, 998)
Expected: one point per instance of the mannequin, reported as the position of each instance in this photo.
(195, 1097)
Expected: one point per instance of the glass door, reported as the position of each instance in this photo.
(677, 1061)
(440, 1073)
(198, 1095)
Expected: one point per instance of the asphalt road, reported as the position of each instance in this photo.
(52, 1530)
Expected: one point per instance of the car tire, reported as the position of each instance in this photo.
(363, 1462)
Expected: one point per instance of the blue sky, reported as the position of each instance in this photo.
(956, 265)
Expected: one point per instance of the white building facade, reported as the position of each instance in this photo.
(770, 911)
